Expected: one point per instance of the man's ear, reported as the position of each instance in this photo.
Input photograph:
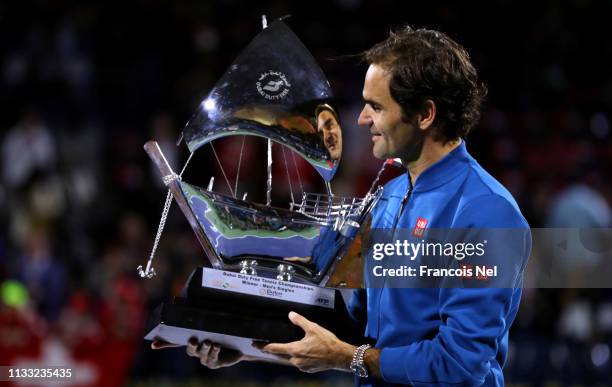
(427, 114)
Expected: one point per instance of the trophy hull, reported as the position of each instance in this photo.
(309, 240)
(234, 310)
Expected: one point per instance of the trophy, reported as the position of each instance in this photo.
(263, 261)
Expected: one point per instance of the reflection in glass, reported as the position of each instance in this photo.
(328, 128)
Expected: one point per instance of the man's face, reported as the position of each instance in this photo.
(330, 132)
(392, 136)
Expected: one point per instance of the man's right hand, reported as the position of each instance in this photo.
(211, 355)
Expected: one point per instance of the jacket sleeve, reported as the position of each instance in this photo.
(473, 319)
(357, 306)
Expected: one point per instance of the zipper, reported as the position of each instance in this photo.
(397, 218)
(403, 205)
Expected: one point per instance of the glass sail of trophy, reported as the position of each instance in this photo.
(263, 261)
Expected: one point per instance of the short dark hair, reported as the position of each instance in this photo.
(427, 64)
(325, 106)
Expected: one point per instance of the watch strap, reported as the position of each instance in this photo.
(357, 364)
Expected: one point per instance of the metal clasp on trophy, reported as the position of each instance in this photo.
(248, 267)
(285, 272)
(149, 272)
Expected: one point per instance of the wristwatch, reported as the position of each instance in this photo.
(357, 364)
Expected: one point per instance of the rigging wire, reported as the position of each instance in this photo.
(239, 163)
(288, 176)
(269, 181)
(298, 172)
(222, 170)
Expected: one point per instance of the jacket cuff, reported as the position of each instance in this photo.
(391, 364)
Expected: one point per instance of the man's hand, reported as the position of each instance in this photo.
(319, 350)
(211, 355)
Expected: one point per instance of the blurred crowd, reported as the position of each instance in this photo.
(83, 85)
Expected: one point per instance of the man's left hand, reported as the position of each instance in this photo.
(319, 350)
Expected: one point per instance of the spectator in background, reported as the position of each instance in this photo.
(22, 329)
(579, 206)
(35, 193)
(27, 147)
(43, 274)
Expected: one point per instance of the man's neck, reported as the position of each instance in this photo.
(432, 152)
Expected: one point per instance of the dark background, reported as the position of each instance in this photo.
(84, 84)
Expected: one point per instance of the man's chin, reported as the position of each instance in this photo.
(380, 156)
(379, 153)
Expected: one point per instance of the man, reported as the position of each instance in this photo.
(329, 130)
(422, 96)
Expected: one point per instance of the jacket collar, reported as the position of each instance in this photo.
(443, 170)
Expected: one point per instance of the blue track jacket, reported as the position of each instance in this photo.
(449, 336)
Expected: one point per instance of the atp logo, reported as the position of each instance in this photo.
(322, 301)
(273, 85)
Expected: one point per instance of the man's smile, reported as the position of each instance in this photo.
(330, 142)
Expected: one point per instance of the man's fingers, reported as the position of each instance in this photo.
(300, 321)
(259, 344)
(294, 362)
(159, 344)
(192, 347)
(279, 349)
(213, 355)
(211, 360)
(204, 348)
(204, 352)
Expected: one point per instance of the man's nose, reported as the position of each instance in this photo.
(364, 117)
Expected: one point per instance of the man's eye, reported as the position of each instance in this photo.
(375, 107)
